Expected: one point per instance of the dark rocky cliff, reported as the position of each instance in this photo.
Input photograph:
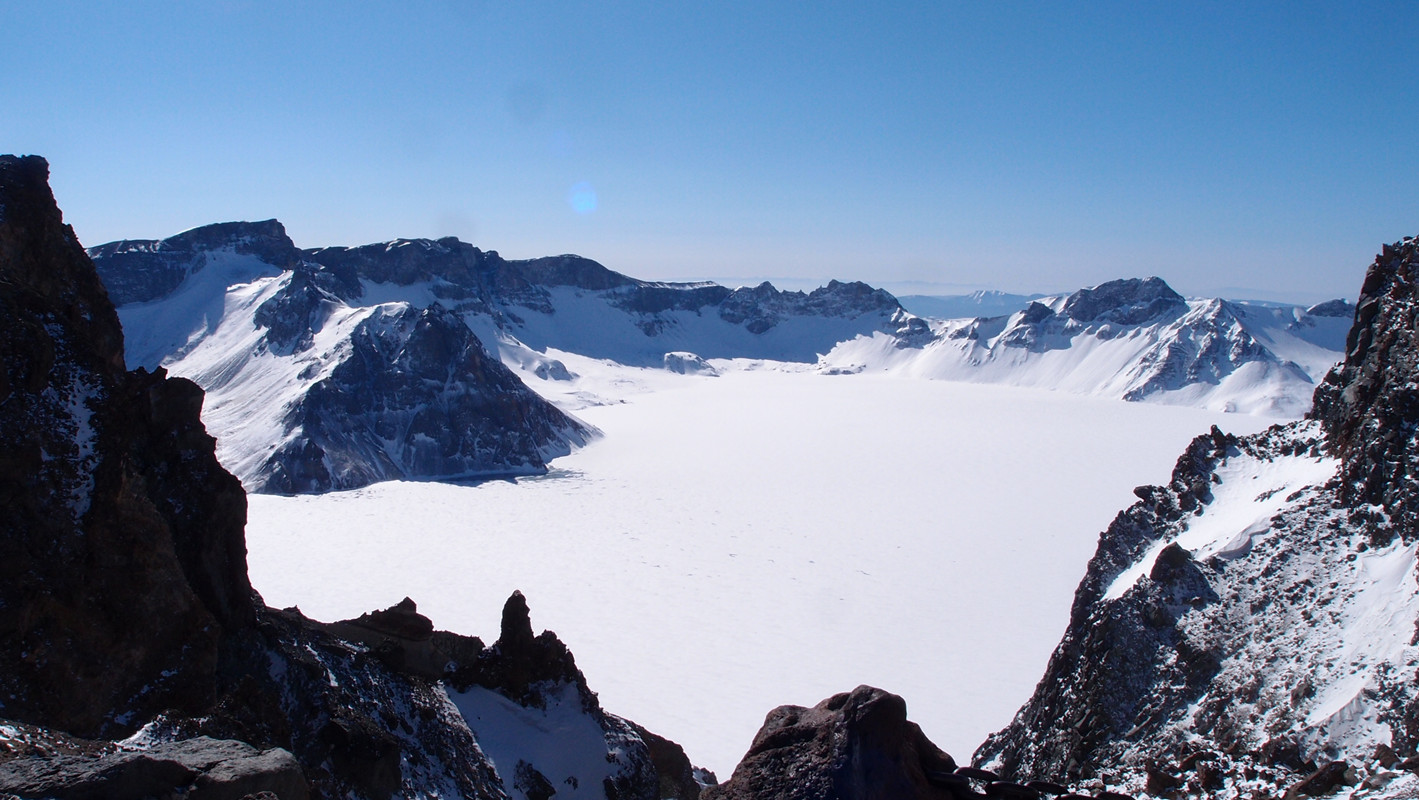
(141, 270)
(121, 536)
(1370, 403)
(125, 608)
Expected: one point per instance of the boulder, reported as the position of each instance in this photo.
(857, 745)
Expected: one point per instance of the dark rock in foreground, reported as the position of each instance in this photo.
(122, 553)
(858, 745)
(197, 769)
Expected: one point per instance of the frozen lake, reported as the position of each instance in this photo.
(761, 538)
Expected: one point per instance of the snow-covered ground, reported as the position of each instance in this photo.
(773, 535)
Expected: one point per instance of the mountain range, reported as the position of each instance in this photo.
(332, 368)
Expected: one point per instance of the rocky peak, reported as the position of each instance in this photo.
(1130, 301)
(141, 270)
(1332, 308)
(1369, 404)
(122, 555)
(517, 624)
(45, 267)
(857, 745)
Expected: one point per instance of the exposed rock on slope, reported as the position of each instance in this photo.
(1252, 622)
(1370, 405)
(1132, 339)
(144, 270)
(125, 609)
(856, 745)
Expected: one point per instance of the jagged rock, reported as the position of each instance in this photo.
(416, 396)
(856, 745)
(121, 536)
(1370, 404)
(1321, 782)
(200, 769)
(678, 779)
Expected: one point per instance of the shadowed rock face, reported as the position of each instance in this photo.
(1130, 301)
(417, 397)
(1370, 403)
(857, 745)
(121, 536)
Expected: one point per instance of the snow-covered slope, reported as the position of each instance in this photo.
(1252, 623)
(337, 367)
(1130, 339)
(306, 392)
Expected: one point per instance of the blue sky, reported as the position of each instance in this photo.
(1261, 150)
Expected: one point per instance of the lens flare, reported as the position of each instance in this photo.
(582, 198)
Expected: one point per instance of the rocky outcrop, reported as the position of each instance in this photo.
(121, 536)
(1370, 404)
(198, 769)
(1232, 634)
(1131, 301)
(414, 395)
(857, 745)
(142, 270)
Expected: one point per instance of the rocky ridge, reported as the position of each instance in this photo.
(135, 659)
(333, 368)
(1134, 339)
(1248, 627)
(308, 393)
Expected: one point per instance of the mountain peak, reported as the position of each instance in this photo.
(142, 270)
(1128, 301)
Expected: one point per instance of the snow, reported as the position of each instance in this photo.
(249, 388)
(561, 741)
(770, 536)
(165, 328)
(1116, 361)
(1250, 493)
(1378, 620)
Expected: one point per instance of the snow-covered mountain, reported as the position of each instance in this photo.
(309, 392)
(1134, 339)
(1251, 625)
(337, 367)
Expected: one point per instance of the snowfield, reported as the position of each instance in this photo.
(771, 535)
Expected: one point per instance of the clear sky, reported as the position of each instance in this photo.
(1247, 149)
